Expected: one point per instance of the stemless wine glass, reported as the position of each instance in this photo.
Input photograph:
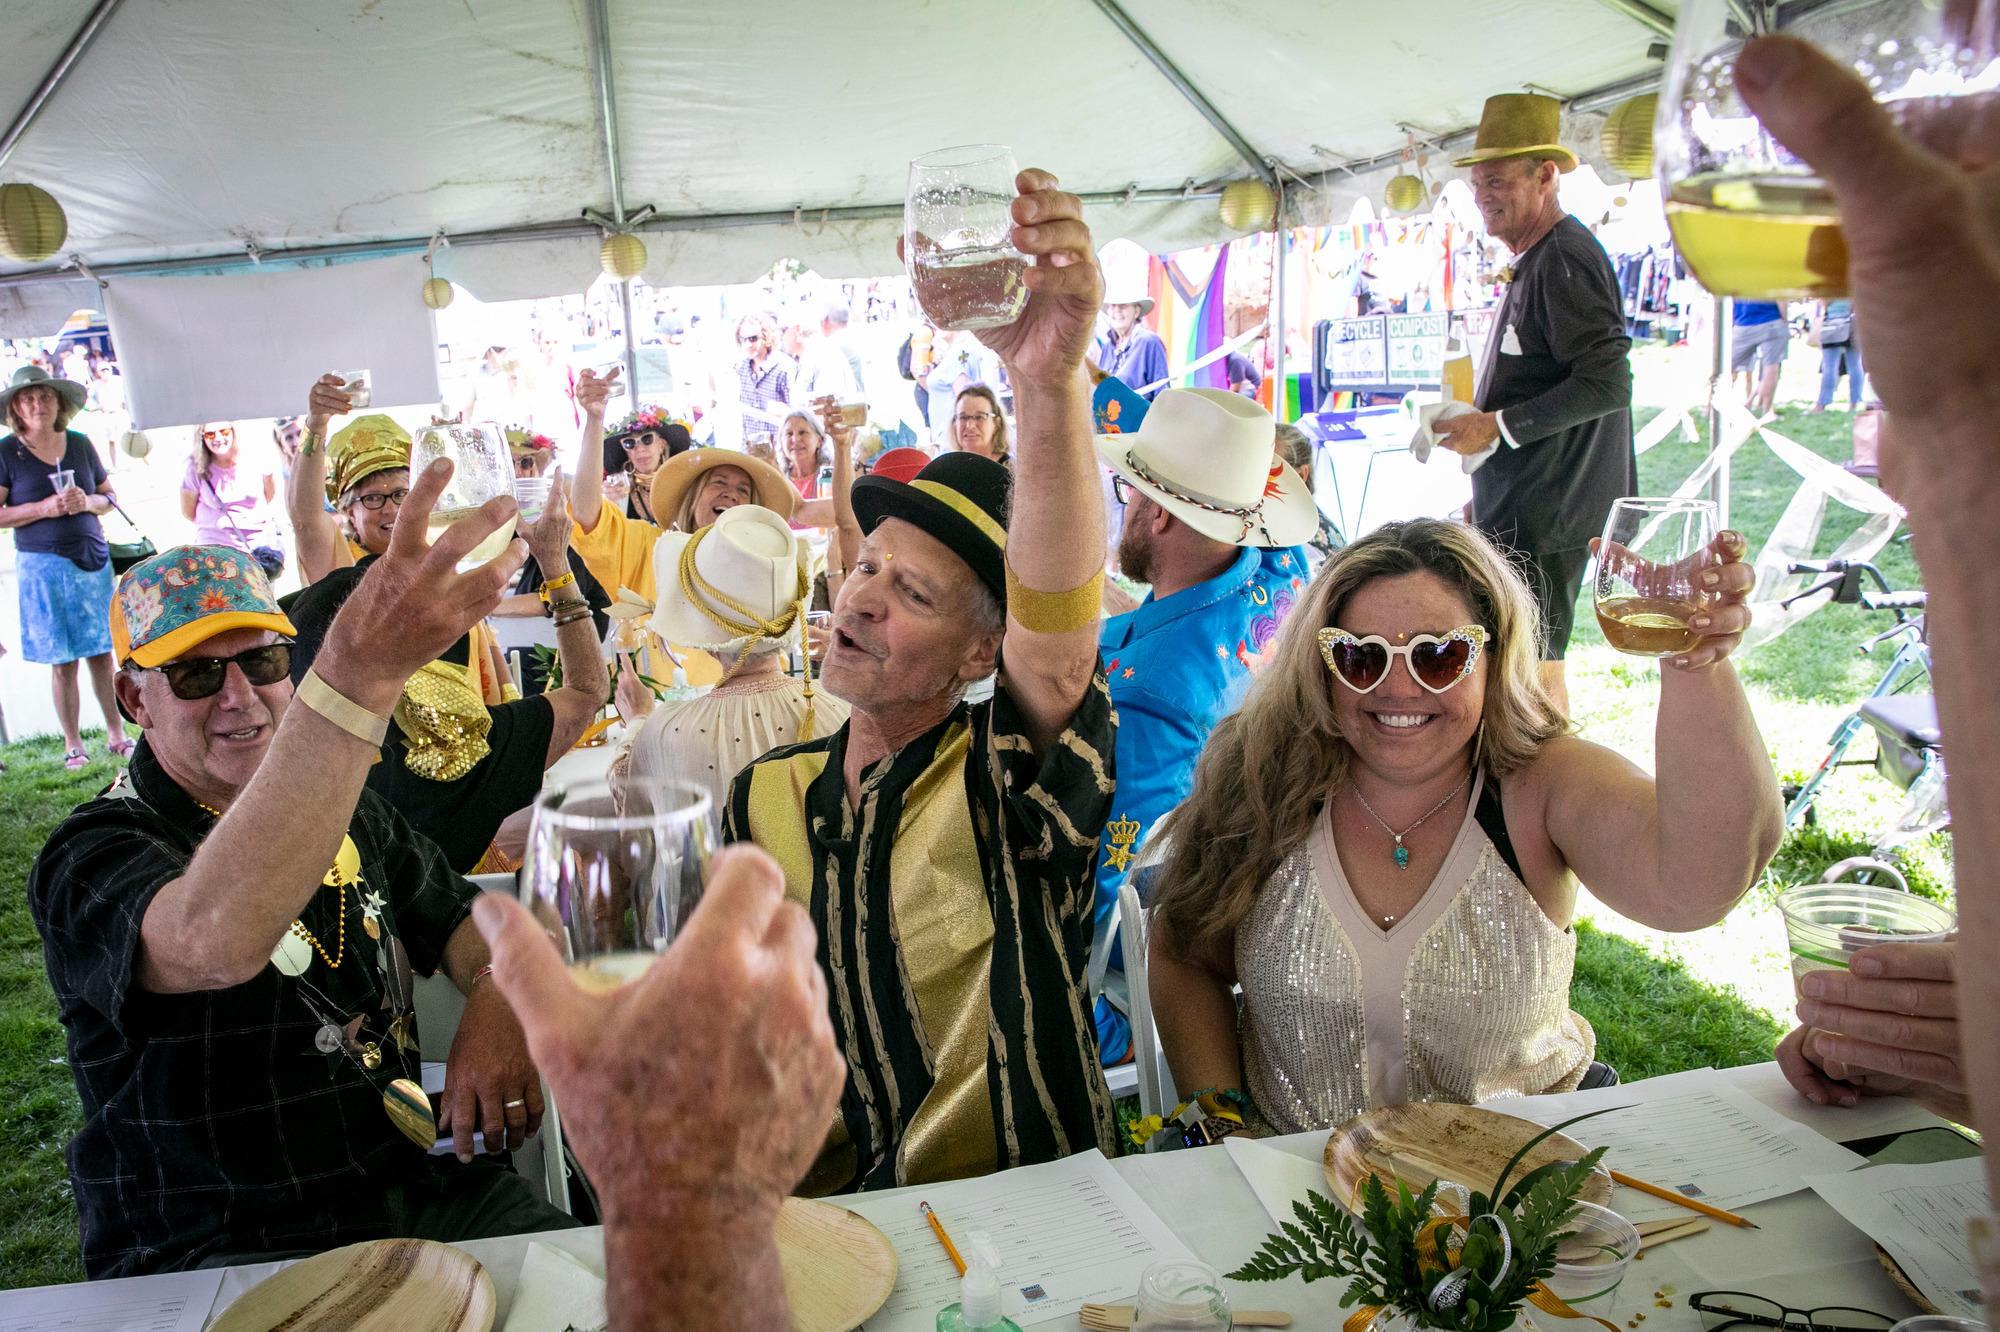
(1749, 216)
(1649, 568)
(614, 869)
(482, 469)
(957, 220)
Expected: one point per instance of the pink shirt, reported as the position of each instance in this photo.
(230, 495)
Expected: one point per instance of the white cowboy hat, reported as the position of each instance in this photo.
(748, 555)
(1208, 457)
(1129, 291)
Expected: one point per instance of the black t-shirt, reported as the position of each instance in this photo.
(462, 815)
(212, 1122)
(77, 537)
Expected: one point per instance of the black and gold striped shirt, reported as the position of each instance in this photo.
(954, 914)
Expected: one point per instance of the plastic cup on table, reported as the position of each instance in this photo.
(1827, 923)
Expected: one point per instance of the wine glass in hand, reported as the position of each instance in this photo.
(1648, 580)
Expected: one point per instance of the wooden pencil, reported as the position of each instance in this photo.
(1692, 1204)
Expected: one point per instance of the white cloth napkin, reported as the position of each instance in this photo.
(1278, 1178)
(556, 1290)
(1427, 438)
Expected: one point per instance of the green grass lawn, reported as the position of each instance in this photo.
(1659, 1003)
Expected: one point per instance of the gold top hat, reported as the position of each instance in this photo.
(1519, 125)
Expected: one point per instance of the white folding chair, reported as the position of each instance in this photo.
(439, 1006)
(1123, 1079)
(1156, 1083)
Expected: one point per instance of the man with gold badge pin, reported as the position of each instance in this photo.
(230, 932)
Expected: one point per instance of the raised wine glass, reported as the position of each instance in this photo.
(1748, 215)
(957, 221)
(481, 469)
(614, 869)
(1649, 567)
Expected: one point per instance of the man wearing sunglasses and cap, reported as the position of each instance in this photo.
(944, 849)
(230, 932)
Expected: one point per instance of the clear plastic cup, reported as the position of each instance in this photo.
(359, 386)
(1827, 923)
(1939, 1323)
(1592, 1257)
(1181, 1296)
(853, 413)
(62, 478)
(531, 495)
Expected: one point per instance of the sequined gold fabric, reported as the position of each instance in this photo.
(1475, 1006)
(443, 721)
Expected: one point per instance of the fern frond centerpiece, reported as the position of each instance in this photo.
(1465, 1266)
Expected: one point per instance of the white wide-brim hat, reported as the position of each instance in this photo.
(1209, 458)
(1128, 293)
(749, 555)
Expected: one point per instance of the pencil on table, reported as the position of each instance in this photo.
(950, 1249)
(1692, 1204)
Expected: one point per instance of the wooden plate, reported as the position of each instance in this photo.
(1457, 1143)
(839, 1268)
(382, 1286)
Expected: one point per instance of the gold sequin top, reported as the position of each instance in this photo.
(1465, 998)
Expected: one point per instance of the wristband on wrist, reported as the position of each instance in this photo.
(341, 710)
(556, 584)
(310, 442)
(1054, 612)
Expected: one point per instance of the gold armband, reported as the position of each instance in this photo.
(310, 442)
(341, 710)
(1054, 612)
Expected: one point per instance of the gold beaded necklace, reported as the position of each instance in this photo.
(299, 927)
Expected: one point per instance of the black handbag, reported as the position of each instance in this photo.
(125, 554)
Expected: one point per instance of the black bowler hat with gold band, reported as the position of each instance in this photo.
(959, 498)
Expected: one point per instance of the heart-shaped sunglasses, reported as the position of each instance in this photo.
(1437, 662)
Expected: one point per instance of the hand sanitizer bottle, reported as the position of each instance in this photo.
(978, 1307)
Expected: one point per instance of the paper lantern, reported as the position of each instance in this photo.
(623, 255)
(32, 225)
(136, 444)
(1248, 205)
(1404, 194)
(1627, 137)
(437, 293)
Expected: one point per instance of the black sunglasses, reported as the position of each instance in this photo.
(1722, 1309)
(201, 677)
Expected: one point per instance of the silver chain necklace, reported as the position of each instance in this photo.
(1402, 852)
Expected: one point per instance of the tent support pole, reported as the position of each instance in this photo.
(614, 162)
(54, 78)
(1718, 384)
(1185, 87)
(1641, 12)
(1280, 397)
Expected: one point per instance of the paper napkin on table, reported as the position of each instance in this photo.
(556, 1290)
(1278, 1178)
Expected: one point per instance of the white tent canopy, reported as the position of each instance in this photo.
(206, 129)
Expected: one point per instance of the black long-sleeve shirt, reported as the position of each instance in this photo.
(1562, 378)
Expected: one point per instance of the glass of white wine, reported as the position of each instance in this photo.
(481, 469)
(614, 869)
(957, 221)
(1649, 567)
(1748, 215)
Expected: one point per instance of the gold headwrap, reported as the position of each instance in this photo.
(367, 445)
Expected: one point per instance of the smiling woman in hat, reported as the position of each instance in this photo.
(634, 452)
(739, 588)
(363, 472)
(62, 560)
(1132, 353)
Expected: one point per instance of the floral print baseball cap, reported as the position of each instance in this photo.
(183, 597)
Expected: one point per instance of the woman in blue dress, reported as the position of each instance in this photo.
(52, 488)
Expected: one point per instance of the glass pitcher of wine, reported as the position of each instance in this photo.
(482, 469)
(1749, 216)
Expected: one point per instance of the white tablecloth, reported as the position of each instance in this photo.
(1804, 1255)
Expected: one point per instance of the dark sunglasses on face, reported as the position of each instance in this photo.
(201, 677)
(747, 338)
(218, 434)
(1437, 662)
(374, 503)
(645, 440)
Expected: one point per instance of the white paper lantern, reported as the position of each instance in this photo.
(622, 255)
(437, 293)
(1248, 205)
(32, 224)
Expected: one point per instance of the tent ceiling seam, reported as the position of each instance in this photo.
(1187, 89)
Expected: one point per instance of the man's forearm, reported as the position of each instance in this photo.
(216, 925)
(1055, 538)
(687, 1260)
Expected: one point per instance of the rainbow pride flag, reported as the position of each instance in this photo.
(1189, 319)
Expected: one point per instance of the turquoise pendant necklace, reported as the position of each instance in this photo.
(1402, 853)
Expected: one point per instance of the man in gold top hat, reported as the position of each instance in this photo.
(1554, 427)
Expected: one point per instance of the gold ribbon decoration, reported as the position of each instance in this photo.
(444, 723)
(1539, 1294)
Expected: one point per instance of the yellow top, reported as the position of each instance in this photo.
(619, 554)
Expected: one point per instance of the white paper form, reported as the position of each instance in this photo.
(1694, 1133)
(170, 1302)
(1918, 1213)
(1068, 1232)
